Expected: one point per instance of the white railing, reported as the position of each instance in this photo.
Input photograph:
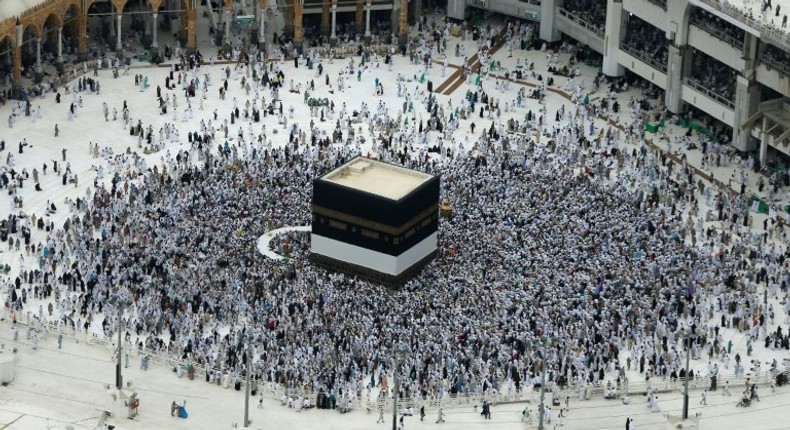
(599, 30)
(775, 34)
(704, 89)
(717, 32)
(643, 57)
(783, 66)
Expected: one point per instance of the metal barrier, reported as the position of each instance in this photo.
(599, 30)
(528, 394)
(780, 65)
(775, 34)
(645, 58)
(717, 32)
(346, 50)
(720, 98)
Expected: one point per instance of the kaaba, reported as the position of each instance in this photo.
(375, 220)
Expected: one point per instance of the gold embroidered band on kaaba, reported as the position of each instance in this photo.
(373, 225)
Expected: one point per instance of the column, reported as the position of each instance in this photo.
(155, 34)
(82, 37)
(298, 29)
(262, 28)
(359, 20)
(177, 24)
(220, 19)
(289, 17)
(548, 31)
(17, 65)
(403, 28)
(367, 19)
(226, 39)
(60, 44)
(456, 9)
(750, 48)
(118, 32)
(334, 20)
(612, 37)
(17, 56)
(38, 54)
(747, 96)
(325, 17)
(680, 55)
(766, 140)
(191, 35)
(395, 17)
(747, 100)
(679, 60)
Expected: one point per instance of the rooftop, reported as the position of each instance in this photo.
(375, 177)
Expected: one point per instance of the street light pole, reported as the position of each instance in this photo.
(542, 388)
(118, 376)
(686, 391)
(395, 393)
(247, 391)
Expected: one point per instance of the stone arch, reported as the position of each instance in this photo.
(70, 18)
(99, 25)
(49, 31)
(93, 7)
(119, 5)
(31, 32)
(34, 28)
(69, 6)
(155, 4)
(7, 37)
(7, 44)
(71, 12)
(55, 19)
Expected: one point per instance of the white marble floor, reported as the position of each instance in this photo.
(58, 388)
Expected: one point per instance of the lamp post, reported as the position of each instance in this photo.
(396, 356)
(542, 407)
(247, 390)
(118, 376)
(687, 338)
(120, 303)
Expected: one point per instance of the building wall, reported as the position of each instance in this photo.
(673, 19)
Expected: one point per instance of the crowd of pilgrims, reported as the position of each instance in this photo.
(586, 244)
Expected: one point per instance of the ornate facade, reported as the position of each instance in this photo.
(18, 26)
